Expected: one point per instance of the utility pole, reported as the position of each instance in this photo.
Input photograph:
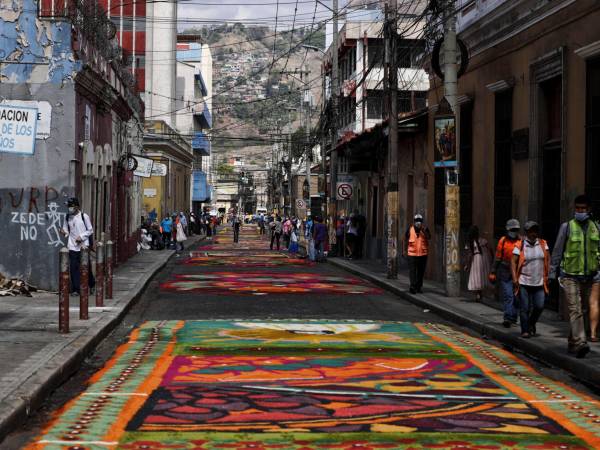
(323, 185)
(391, 198)
(334, 118)
(306, 100)
(452, 222)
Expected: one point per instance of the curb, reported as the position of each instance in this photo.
(585, 373)
(31, 395)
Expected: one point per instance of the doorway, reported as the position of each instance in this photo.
(550, 124)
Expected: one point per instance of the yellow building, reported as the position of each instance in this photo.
(170, 193)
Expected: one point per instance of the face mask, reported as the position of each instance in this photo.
(531, 241)
(581, 217)
(513, 234)
(71, 210)
(417, 225)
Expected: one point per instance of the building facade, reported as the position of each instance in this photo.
(194, 112)
(528, 128)
(85, 117)
(359, 154)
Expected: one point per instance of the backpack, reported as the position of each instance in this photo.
(83, 215)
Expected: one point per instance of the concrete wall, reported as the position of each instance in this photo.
(33, 187)
(161, 67)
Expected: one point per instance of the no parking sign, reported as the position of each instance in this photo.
(344, 190)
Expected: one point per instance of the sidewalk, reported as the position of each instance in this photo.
(550, 346)
(36, 358)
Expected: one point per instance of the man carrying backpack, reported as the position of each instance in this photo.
(79, 232)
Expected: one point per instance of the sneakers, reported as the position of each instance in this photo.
(506, 324)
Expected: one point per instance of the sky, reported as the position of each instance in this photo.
(196, 12)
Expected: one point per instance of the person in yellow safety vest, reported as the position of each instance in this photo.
(416, 248)
(575, 262)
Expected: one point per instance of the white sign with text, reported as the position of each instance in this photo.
(17, 129)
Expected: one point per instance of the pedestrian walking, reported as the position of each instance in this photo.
(351, 236)
(308, 235)
(180, 236)
(276, 230)
(184, 222)
(361, 230)
(236, 224)
(340, 230)
(478, 263)
(79, 233)
(575, 264)
(167, 227)
(287, 230)
(293, 248)
(530, 268)
(320, 236)
(502, 272)
(416, 248)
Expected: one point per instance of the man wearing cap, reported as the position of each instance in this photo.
(530, 269)
(502, 271)
(575, 262)
(416, 247)
(78, 230)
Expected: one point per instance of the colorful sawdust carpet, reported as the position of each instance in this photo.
(261, 283)
(246, 260)
(319, 385)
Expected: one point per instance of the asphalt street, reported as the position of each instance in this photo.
(236, 346)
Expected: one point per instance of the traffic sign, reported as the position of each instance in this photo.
(300, 204)
(344, 191)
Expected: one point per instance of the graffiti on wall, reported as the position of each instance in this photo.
(34, 213)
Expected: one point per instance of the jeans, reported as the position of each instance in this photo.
(416, 267)
(75, 271)
(320, 250)
(532, 304)
(509, 300)
(236, 235)
(578, 294)
(275, 237)
(311, 249)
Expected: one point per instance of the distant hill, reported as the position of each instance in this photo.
(251, 96)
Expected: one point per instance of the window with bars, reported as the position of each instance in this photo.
(404, 101)
(375, 53)
(348, 110)
(503, 161)
(374, 104)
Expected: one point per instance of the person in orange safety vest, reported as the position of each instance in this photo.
(416, 248)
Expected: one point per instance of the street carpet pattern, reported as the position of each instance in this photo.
(246, 260)
(302, 385)
(262, 283)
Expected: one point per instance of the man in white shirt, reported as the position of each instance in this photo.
(78, 230)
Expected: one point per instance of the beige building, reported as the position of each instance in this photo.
(528, 125)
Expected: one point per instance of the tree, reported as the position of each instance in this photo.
(224, 169)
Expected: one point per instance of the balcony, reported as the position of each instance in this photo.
(201, 144)
(201, 84)
(200, 190)
(202, 113)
